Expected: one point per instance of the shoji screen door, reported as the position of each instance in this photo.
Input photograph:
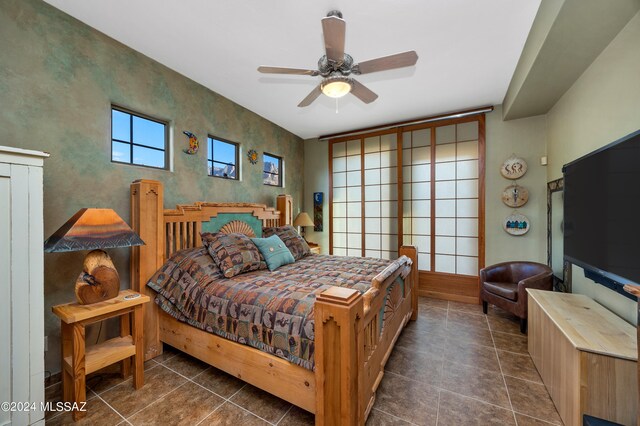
(346, 194)
(431, 196)
(364, 197)
(443, 194)
(381, 196)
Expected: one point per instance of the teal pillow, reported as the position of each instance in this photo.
(274, 251)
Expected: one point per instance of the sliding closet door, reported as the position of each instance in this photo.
(454, 252)
(416, 193)
(381, 196)
(456, 199)
(346, 186)
(429, 196)
(364, 197)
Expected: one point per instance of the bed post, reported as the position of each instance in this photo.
(284, 204)
(147, 220)
(412, 253)
(339, 354)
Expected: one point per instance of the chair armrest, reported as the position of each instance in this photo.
(541, 281)
(496, 273)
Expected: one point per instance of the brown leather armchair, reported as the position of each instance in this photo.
(504, 285)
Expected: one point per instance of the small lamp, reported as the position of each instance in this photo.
(94, 229)
(301, 221)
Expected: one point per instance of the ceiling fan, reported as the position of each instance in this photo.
(337, 66)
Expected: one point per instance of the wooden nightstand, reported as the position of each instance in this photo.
(77, 361)
(315, 248)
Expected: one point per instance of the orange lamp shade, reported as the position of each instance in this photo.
(91, 229)
(303, 219)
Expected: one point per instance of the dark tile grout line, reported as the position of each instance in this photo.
(504, 381)
(224, 402)
(446, 323)
(285, 414)
(59, 413)
(150, 404)
(535, 418)
(439, 396)
(394, 416)
(524, 380)
(109, 405)
(166, 394)
(225, 399)
(250, 412)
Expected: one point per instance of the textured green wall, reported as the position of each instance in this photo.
(58, 78)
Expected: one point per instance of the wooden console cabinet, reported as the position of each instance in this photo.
(586, 355)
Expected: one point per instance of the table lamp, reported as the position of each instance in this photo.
(301, 221)
(95, 230)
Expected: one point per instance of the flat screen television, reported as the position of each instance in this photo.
(602, 213)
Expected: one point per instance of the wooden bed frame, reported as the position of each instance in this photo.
(350, 352)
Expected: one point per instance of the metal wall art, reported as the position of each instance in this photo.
(193, 143)
(252, 155)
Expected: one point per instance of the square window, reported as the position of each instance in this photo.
(222, 158)
(138, 139)
(272, 170)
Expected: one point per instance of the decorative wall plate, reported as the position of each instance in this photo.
(516, 224)
(252, 155)
(513, 167)
(515, 195)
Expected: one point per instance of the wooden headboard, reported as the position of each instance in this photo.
(184, 224)
(166, 231)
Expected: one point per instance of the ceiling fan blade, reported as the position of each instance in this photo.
(311, 97)
(361, 92)
(399, 60)
(280, 70)
(334, 29)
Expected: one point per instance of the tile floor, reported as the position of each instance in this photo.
(453, 366)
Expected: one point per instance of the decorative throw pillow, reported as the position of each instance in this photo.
(274, 251)
(233, 253)
(294, 242)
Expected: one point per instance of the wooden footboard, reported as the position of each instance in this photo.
(354, 332)
(275, 375)
(398, 310)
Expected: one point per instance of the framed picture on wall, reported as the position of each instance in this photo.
(318, 198)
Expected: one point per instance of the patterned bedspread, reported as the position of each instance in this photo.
(271, 311)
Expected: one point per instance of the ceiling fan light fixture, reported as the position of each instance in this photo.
(336, 87)
(337, 66)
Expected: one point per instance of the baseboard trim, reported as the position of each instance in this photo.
(447, 296)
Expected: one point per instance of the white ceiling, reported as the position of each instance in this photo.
(468, 50)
